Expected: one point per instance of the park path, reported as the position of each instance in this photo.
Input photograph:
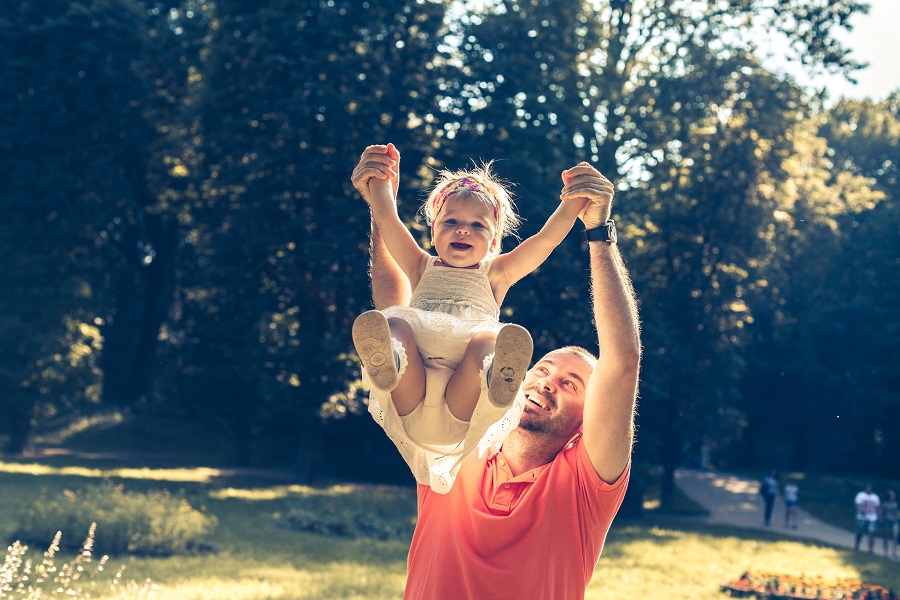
(734, 500)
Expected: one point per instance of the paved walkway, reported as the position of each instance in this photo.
(733, 500)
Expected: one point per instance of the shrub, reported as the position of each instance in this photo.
(381, 512)
(20, 578)
(152, 523)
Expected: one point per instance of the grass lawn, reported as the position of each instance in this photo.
(259, 559)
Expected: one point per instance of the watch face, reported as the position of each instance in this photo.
(611, 231)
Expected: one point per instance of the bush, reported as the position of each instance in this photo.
(149, 524)
(20, 578)
(381, 512)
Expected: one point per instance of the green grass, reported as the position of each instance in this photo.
(260, 559)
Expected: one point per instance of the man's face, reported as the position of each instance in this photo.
(554, 395)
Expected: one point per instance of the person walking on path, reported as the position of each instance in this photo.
(791, 499)
(733, 501)
(868, 508)
(891, 527)
(768, 489)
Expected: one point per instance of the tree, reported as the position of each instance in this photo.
(807, 388)
(670, 100)
(293, 93)
(829, 344)
(85, 143)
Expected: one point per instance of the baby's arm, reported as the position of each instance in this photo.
(400, 243)
(390, 286)
(531, 253)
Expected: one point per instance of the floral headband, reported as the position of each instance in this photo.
(457, 186)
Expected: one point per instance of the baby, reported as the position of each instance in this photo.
(444, 372)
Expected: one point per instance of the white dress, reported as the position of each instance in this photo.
(448, 307)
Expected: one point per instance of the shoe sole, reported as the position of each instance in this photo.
(512, 356)
(372, 339)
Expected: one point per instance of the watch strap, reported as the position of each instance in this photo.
(604, 233)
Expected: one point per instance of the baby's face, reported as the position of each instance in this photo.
(464, 230)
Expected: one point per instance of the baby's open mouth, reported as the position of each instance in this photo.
(460, 246)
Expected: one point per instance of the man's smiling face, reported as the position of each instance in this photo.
(554, 394)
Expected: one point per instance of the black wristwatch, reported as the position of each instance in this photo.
(604, 233)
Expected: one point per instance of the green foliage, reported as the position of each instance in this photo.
(180, 237)
(382, 513)
(156, 523)
(21, 579)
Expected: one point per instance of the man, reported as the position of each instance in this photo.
(868, 507)
(768, 489)
(530, 520)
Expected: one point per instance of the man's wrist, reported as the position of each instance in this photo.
(590, 222)
(604, 233)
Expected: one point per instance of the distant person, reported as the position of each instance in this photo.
(791, 499)
(868, 507)
(444, 370)
(891, 527)
(768, 490)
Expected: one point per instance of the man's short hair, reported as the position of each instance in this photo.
(578, 351)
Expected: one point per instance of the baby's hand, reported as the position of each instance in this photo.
(586, 184)
(379, 166)
(381, 187)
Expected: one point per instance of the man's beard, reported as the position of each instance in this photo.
(558, 426)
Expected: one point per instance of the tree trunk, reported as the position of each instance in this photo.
(308, 454)
(160, 280)
(667, 489)
(19, 428)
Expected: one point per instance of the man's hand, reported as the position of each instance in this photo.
(378, 163)
(585, 183)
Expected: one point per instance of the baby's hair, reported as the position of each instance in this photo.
(478, 182)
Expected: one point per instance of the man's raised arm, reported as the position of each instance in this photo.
(612, 390)
(390, 286)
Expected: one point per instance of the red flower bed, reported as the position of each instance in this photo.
(771, 586)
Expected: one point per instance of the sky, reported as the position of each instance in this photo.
(875, 39)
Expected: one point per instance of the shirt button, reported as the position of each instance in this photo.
(506, 486)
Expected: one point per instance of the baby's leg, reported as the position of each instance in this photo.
(411, 389)
(372, 337)
(512, 348)
(464, 387)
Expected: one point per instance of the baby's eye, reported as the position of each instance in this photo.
(450, 221)
(477, 225)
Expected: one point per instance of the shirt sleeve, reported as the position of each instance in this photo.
(601, 499)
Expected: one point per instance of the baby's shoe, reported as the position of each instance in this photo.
(372, 338)
(512, 355)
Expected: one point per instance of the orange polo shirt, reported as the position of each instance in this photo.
(537, 536)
